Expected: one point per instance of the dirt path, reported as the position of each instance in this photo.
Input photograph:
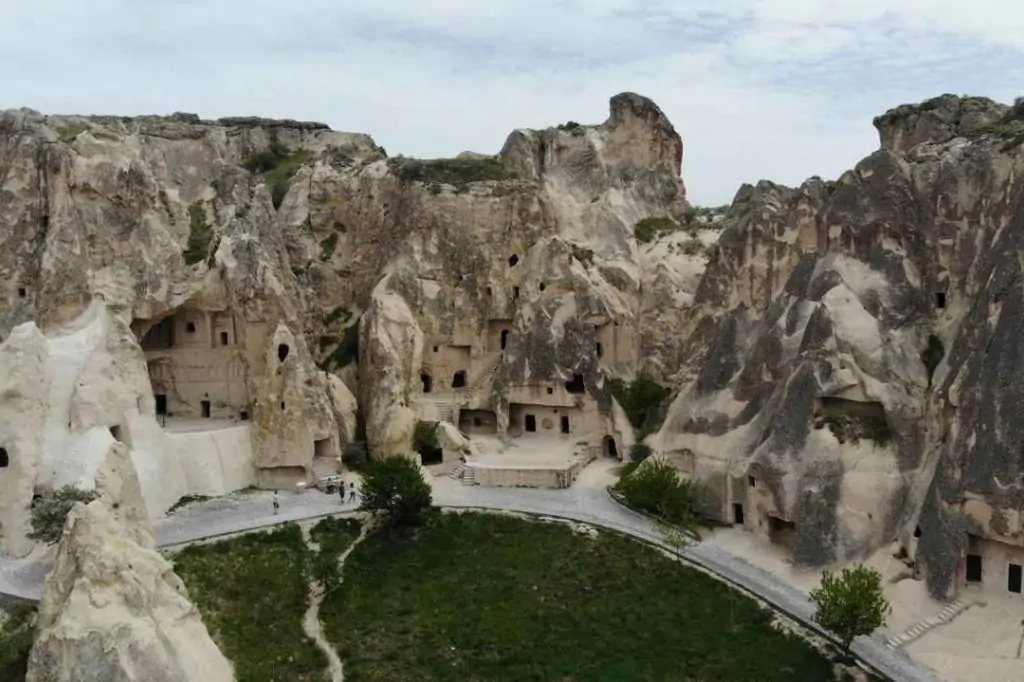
(311, 621)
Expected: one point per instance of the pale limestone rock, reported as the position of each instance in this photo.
(113, 610)
(344, 406)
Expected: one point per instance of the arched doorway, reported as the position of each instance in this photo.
(608, 444)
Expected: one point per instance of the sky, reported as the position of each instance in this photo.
(758, 89)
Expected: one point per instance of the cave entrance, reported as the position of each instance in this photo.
(1013, 578)
(781, 532)
(530, 423)
(564, 421)
(5, 460)
(205, 407)
(737, 514)
(282, 352)
(973, 568)
(504, 338)
(427, 381)
(575, 385)
(608, 445)
(116, 432)
(459, 380)
(161, 404)
(478, 422)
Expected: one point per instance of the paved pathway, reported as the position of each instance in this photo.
(591, 505)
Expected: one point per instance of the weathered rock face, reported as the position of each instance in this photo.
(113, 610)
(854, 347)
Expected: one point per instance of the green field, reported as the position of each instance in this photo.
(488, 597)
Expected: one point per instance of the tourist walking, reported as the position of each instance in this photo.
(277, 505)
(352, 491)
(341, 492)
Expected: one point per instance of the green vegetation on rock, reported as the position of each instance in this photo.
(68, 133)
(277, 165)
(460, 171)
(333, 536)
(339, 314)
(643, 400)
(424, 438)
(490, 597)
(850, 603)
(345, 352)
(50, 510)
(252, 592)
(585, 256)
(200, 235)
(327, 246)
(573, 128)
(17, 631)
(657, 488)
(649, 229)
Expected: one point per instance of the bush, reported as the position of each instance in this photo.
(200, 234)
(424, 439)
(394, 490)
(642, 399)
(649, 229)
(50, 510)
(657, 488)
(354, 456)
(851, 603)
(277, 165)
(459, 172)
(639, 452)
(16, 634)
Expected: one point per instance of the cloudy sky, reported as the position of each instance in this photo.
(779, 89)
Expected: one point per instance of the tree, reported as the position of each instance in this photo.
(850, 603)
(655, 487)
(50, 509)
(394, 489)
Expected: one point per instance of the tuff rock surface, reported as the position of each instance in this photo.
(855, 346)
(113, 610)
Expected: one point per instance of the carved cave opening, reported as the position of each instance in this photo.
(781, 532)
(608, 444)
(427, 381)
(513, 260)
(459, 379)
(282, 352)
(853, 420)
(564, 423)
(478, 422)
(5, 460)
(575, 385)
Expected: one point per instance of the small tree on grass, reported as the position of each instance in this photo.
(850, 603)
(50, 509)
(655, 487)
(394, 489)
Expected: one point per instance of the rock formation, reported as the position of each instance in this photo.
(113, 609)
(854, 348)
(841, 354)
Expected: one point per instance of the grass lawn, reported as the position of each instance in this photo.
(252, 592)
(488, 597)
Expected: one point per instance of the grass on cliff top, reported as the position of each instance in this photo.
(488, 597)
(459, 171)
(277, 165)
(252, 593)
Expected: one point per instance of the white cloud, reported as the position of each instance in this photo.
(779, 89)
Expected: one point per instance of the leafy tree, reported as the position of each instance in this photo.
(16, 634)
(655, 487)
(50, 509)
(394, 489)
(643, 400)
(850, 603)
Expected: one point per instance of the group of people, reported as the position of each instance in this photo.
(352, 495)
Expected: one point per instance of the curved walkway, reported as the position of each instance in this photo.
(235, 514)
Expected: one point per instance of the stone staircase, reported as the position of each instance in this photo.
(323, 467)
(952, 610)
(446, 413)
(473, 392)
(464, 473)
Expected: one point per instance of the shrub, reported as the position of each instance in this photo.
(69, 133)
(16, 634)
(585, 256)
(574, 128)
(327, 246)
(657, 488)
(50, 510)
(851, 603)
(460, 171)
(639, 452)
(649, 229)
(354, 456)
(692, 247)
(277, 165)
(200, 234)
(643, 400)
(340, 313)
(424, 439)
(346, 352)
(394, 490)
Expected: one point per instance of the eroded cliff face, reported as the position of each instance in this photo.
(855, 347)
(113, 609)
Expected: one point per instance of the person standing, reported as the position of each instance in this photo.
(341, 492)
(277, 505)
(352, 491)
